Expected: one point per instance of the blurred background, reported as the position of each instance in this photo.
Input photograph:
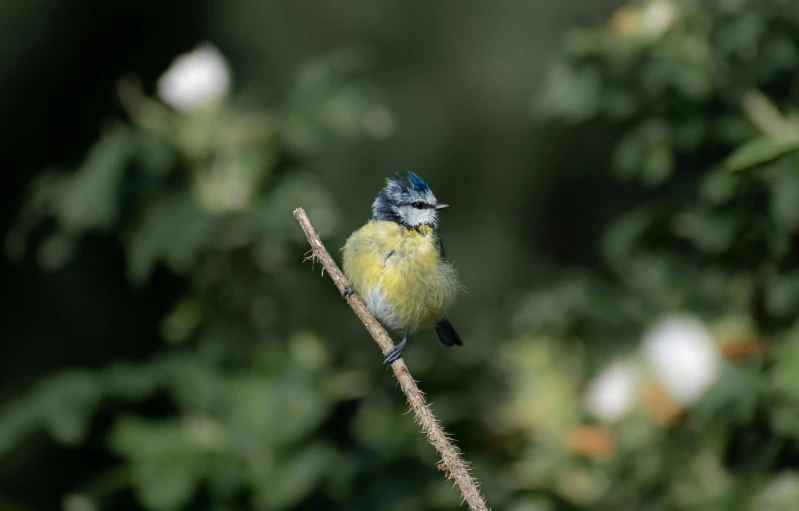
(624, 182)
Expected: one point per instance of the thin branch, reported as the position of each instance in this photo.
(452, 463)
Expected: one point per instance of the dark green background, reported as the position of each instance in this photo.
(531, 205)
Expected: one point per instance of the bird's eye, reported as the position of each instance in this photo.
(418, 205)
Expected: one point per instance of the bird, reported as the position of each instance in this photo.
(396, 263)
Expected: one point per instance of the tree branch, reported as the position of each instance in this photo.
(453, 464)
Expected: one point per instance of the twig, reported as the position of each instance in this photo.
(453, 464)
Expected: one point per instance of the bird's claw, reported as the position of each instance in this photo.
(348, 291)
(394, 353)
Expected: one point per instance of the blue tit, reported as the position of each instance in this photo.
(396, 263)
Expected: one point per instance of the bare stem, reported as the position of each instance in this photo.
(452, 463)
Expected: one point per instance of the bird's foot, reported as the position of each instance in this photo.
(348, 291)
(395, 353)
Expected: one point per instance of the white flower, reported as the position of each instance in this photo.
(648, 21)
(611, 394)
(657, 17)
(683, 356)
(195, 79)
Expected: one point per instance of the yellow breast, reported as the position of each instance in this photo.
(400, 274)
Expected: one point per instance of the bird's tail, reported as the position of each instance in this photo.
(447, 334)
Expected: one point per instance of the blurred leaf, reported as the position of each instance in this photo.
(90, 199)
(155, 155)
(782, 295)
(55, 251)
(784, 204)
(195, 383)
(691, 134)
(68, 403)
(543, 379)
(77, 502)
(761, 150)
(164, 486)
(734, 396)
(703, 484)
(63, 404)
(718, 187)
(376, 427)
(780, 494)
(765, 115)
(276, 412)
(181, 322)
(624, 236)
(708, 232)
(172, 230)
(569, 93)
(646, 153)
(126, 380)
(17, 420)
(331, 94)
(166, 468)
(295, 479)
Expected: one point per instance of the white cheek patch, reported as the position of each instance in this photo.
(413, 216)
(417, 216)
(430, 216)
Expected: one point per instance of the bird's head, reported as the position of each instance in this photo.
(407, 201)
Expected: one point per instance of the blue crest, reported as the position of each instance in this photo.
(412, 183)
(417, 182)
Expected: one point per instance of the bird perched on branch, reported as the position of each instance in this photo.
(396, 263)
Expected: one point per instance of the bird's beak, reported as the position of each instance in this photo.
(441, 205)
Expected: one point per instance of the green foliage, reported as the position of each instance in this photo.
(716, 237)
(63, 405)
(264, 412)
(208, 194)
